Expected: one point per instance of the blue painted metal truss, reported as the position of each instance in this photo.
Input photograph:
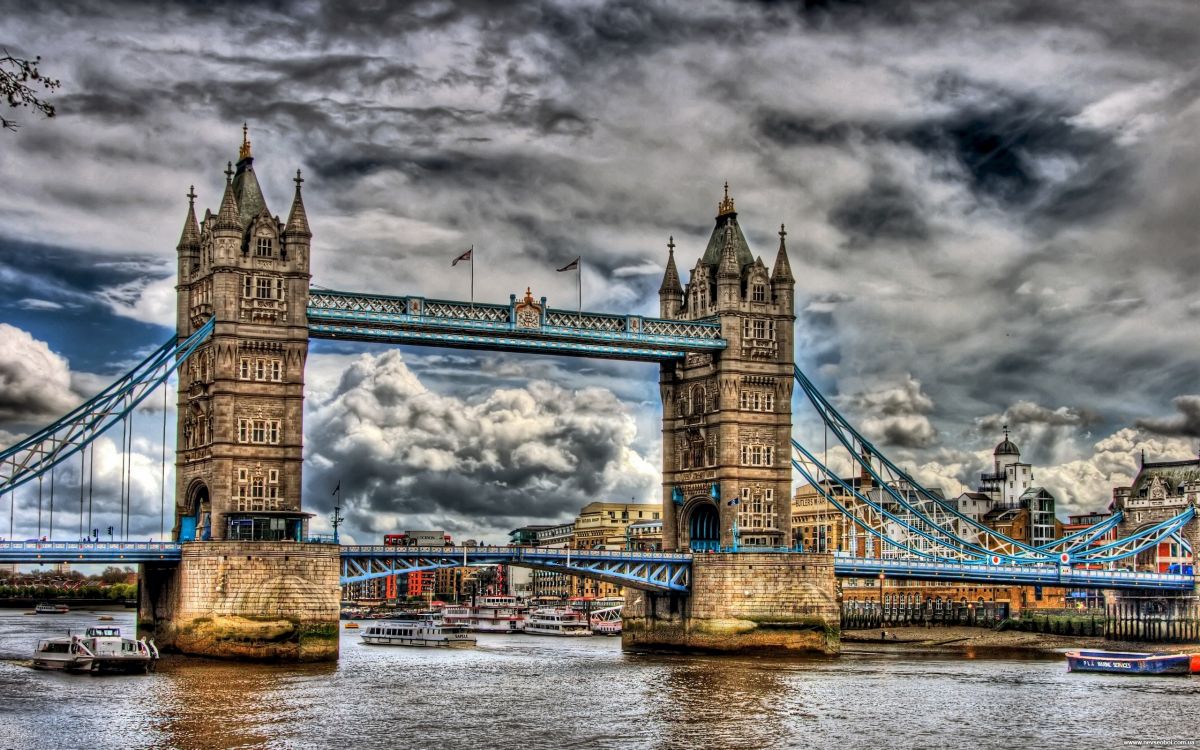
(112, 553)
(40, 452)
(649, 571)
(918, 523)
(522, 326)
(848, 566)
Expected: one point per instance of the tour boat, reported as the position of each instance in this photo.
(1124, 662)
(112, 653)
(558, 621)
(421, 629)
(46, 608)
(489, 614)
(606, 621)
(67, 654)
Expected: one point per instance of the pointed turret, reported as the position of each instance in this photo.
(670, 294)
(782, 273)
(729, 271)
(297, 222)
(189, 239)
(228, 219)
(246, 191)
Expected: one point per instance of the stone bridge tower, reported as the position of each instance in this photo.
(727, 417)
(240, 430)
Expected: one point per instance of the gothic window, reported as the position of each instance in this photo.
(264, 288)
(259, 431)
(697, 399)
(758, 455)
(247, 286)
(759, 293)
(263, 250)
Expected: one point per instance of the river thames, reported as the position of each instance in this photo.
(534, 692)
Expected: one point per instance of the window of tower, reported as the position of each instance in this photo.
(263, 250)
(758, 293)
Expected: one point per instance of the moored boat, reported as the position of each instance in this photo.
(422, 629)
(562, 621)
(113, 654)
(352, 626)
(489, 614)
(1128, 662)
(606, 621)
(46, 608)
(66, 653)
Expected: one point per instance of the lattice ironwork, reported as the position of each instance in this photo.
(465, 311)
(585, 321)
(42, 451)
(327, 300)
(700, 330)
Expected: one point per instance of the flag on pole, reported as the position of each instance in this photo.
(570, 266)
(464, 256)
(338, 488)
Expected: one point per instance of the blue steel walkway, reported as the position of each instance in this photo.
(650, 571)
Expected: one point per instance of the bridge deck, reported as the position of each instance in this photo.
(655, 571)
(416, 320)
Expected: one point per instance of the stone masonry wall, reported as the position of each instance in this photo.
(274, 601)
(742, 602)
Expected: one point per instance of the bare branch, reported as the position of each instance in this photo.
(20, 85)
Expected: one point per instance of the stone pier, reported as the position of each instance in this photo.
(269, 601)
(781, 602)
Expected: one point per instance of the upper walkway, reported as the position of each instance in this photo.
(520, 326)
(651, 571)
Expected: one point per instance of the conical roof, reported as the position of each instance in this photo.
(189, 239)
(227, 216)
(712, 253)
(671, 283)
(250, 201)
(297, 222)
(783, 268)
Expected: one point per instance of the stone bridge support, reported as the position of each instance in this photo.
(269, 601)
(780, 602)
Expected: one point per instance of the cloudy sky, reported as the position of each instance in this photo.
(992, 216)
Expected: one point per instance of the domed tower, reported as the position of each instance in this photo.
(727, 416)
(1006, 453)
(240, 428)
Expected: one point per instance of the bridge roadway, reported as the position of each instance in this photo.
(652, 571)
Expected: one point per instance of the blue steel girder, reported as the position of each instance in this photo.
(418, 321)
(847, 566)
(649, 571)
(117, 553)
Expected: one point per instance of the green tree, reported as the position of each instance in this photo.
(21, 85)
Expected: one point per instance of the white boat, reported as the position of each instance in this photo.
(489, 614)
(66, 653)
(606, 621)
(99, 650)
(562, 621)
(113, 654)
(46, 608)
(422, 629)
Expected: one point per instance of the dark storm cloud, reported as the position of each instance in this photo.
(885, 210)
(1184, 424)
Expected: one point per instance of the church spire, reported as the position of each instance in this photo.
(227, 216)
(189, 239)
(670, 282)
(297, 222)
(244, 151)
(729, 265)
(782, 273)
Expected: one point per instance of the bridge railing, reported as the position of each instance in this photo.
(37, 546)
(498, 550)
(913, 564)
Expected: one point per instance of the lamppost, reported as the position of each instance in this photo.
(881, 598)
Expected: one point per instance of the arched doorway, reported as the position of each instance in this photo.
(704, 528)
(195, 525)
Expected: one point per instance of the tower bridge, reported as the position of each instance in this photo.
(724, 342)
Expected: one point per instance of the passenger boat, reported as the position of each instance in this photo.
(46, 608)
(113, 654)
(489, 614)
(422, 629)
(67, 654)
(1125, 662)
(558, 621)
(99, 650)
(606, 621)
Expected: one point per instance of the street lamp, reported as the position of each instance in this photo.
(881, 599)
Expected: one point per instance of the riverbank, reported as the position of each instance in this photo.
(963, 639)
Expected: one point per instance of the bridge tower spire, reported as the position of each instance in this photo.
(727, 416)
(240, 432)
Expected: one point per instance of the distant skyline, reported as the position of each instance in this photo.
(991, 213)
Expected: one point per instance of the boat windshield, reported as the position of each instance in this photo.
(103, 632)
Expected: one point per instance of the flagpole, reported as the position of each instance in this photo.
(579, 284)
(472, 274)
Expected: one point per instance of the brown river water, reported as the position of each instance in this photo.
(530, 692)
